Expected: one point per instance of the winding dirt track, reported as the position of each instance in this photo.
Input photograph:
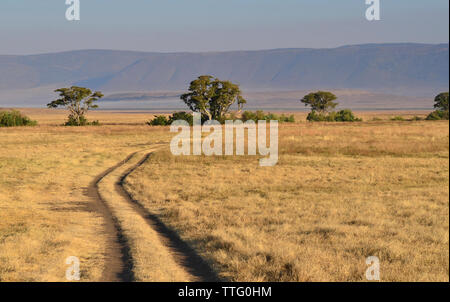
(140, 246)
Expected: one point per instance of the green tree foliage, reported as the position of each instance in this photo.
(188, 117)
(441, 105)
(438, 115)
(78, 100)
(261, 116)
(212, 97)
(441, 101)
(345, 115)
(322, 105)
(162, 120)
(320, 101)
(159, 120)
(14, 118)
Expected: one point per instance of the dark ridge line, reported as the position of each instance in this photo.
(127, 273)
(191, 261)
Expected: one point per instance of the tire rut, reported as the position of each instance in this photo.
(119, 264)
(125, 260)
(184, 255)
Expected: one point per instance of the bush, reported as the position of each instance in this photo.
(188, 117)
(159, 120)
(313, 116)
(438, 115)
(397, 118)
(290, 119)
(345, 115)
(252, 116)
(162, 120)
(14, 118)
(260, 116)
(72, 121)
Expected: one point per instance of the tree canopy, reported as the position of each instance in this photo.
(441, 101)
(78, 100)
(321, 101)
(441, 106)
(213, 97)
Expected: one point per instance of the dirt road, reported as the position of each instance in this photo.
(142, 247)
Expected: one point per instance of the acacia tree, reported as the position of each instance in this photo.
(441, 106)
(321, 101)
(441, 101)
(78, 100)
(212, 97)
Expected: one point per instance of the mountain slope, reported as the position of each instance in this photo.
(395, 68)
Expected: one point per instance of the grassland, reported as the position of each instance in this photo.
(46, 213)
(340, 193)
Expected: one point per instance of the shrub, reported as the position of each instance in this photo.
(72, 121)
(159, 120)
(438, 115)
(313, 116)
(345, 115)
(290, 119)
(188, 117)
(397, 118)
(260, 116)
(162, 120)
(283, 118)
(252, 116)
(14, 118)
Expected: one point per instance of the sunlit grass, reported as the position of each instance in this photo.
(340, 193)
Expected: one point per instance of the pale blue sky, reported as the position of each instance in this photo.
(32, 26)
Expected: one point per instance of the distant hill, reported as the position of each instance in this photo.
(405, 69)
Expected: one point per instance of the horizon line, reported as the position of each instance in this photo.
(226, 51)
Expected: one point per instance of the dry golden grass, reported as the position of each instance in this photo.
(46, 214)
(55, 117)
(340, 193)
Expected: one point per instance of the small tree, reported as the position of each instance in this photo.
(212, 97)
(441, 106)
(441, 101)
(78, 100)
(321, 101)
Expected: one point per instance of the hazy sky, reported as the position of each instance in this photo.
(37, 26)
